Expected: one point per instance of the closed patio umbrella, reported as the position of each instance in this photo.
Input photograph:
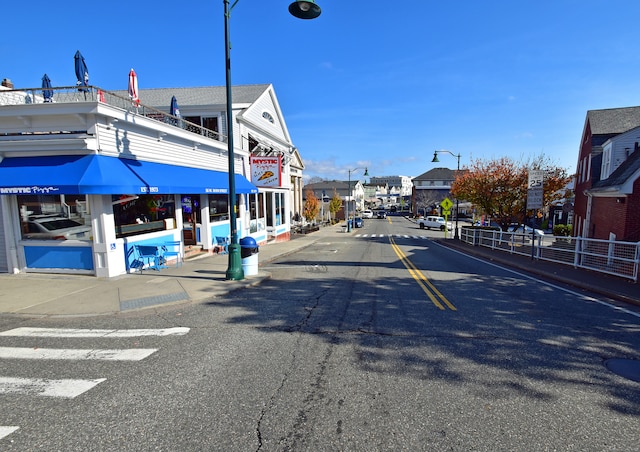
(133, 88)
(82, 73)
(47, 92)
(174, 110)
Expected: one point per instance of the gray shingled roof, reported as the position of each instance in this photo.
(613, 120)
(199, 96)
(622, 173)
(437, 174)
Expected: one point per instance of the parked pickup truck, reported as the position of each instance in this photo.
(432, 222)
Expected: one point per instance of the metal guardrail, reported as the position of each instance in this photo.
(605, 256)
(74, 94)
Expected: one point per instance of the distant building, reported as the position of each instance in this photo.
(352, 196)
(431, 188)
(397, 190)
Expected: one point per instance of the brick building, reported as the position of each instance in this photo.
(607, 187)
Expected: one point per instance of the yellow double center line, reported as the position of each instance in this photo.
(434, 294)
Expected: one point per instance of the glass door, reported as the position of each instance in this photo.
(190, 218)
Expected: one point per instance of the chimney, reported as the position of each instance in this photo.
(7, 83)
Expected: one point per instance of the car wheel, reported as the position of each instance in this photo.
(421, 226)
(442, 228)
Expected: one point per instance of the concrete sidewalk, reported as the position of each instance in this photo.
(37, 294)
(34, 295)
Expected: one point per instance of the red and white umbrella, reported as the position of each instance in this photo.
(133, 88)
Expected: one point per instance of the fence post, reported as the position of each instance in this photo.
(576, 252)
(637, 263)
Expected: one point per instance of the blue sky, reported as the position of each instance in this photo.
(374, 84)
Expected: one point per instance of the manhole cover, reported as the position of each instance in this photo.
(627, 368)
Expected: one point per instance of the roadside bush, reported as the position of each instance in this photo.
(562, 230)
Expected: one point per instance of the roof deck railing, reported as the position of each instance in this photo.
(73, 94)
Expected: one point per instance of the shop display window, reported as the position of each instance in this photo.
(141, 214)
(218, 208)
(257, 221)
(54, 217)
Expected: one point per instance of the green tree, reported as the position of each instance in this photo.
(499, 187)
(311, 207)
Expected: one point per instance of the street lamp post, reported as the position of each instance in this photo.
(456, 235)
(349, 192)
(302, 10)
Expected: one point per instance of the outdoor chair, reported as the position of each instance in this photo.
(150, 257)
(171, 250)
(222, 245)
(133, 259)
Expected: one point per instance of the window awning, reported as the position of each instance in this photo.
(101, 175)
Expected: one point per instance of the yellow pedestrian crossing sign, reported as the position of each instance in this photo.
(446, 204)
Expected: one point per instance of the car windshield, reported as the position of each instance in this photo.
(59, 223)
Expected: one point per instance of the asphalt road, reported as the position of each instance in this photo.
(364, 342)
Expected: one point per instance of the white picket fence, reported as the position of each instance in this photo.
(606, 256)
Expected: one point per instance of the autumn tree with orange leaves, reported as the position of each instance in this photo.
(311, 206)
(498, 188)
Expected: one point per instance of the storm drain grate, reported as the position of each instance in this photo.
(150, 301)
(627, 368)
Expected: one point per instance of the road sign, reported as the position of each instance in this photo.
(535, 189)
(446, 213)
(446, 204)
(534, 198)
(536, 179)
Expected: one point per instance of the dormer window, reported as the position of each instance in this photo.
(266, 115)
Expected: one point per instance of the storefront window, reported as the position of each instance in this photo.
(281, 218)
(256, 213)
(218, 208)
(269, 199)
(54, 217)
(142, 214)
(275, 205)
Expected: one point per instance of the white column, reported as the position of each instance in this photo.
(108, 252)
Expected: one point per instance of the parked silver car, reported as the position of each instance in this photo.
(524, 229)
(56, 228)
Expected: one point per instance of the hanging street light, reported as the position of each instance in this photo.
(301, 10)
(304, 9)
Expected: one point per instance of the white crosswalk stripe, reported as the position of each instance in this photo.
(67, 388)
(7, 430)
(399, 236)
(133, 354)
(74, 332)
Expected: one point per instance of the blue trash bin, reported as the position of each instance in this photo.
(249, 254)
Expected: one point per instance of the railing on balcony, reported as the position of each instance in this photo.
(73, 94)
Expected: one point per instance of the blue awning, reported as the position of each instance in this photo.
(101, 175)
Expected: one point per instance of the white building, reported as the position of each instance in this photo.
(135, 175)
(395, 190)
(399, 185)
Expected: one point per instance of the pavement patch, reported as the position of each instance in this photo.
(154, 300)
